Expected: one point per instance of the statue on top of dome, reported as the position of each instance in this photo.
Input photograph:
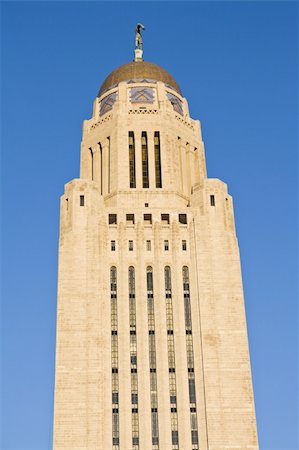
(138, 37)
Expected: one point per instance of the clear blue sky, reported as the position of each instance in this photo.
(237, 64)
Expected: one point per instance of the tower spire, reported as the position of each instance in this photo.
(138, 42)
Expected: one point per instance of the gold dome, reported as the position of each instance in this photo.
(138, 70)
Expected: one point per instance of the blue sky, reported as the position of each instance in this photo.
(237, 64)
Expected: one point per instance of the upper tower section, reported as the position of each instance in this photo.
(141, 138)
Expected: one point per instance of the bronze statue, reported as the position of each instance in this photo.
(138, 37)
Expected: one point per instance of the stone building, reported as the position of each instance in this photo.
(152, 350)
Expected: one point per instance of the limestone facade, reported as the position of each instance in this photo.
(152, 350)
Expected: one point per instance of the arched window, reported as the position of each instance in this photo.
(113, 278)
(149, 278)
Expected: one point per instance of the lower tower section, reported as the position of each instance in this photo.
(151, 335)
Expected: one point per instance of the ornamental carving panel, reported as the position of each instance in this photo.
(142, 95)
(107, 103)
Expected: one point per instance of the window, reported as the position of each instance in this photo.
(194, 436)
(112, 219)
(146, 205)
(108, 139)
(91, 160)
(184, 245)
(144, 158)
(212, 200)
(101, 167)
(67, 203)
(165, 219)
(132, 160)
(147, 219)
(183, 218)
(135, 398)
(130, 219)
(130, 246)
(157, 160)
(166, 245)
(148, 245)
(81, 200)
(113, 246)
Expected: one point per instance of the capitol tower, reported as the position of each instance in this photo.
(152, 348)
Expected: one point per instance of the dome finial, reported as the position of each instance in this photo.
(138, 42)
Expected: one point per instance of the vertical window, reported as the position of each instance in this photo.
(114, 358)
(171, 359)
(81, 200)
(91, 160)
(67, 203)
(190, 359)
(130, 246)
(132, 160)
(144, 158)
(166, 245)
(158, 160)
(133, 359)
(101, 167)
(113, 246)
(108, 165)
(184, 245)
(152, 358)
(148, 245)
(212, 200)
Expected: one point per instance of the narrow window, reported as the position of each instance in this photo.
(114, 358)
(101, 167)
(130, 246)
(91, 160)
(112, 219)
(67, 203)
(130, 219)
(148, 245)
(152, 358)
(81, 200)
(158, 160)
(133, 359)
(113, 246)
(166, 245)
(144, 157)
(108, 165)
(165, 219)
(212, 200)
(147, 219)
(132, 160)
(184, 245)
(183, 218)
(174, 437)
(190, 359)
